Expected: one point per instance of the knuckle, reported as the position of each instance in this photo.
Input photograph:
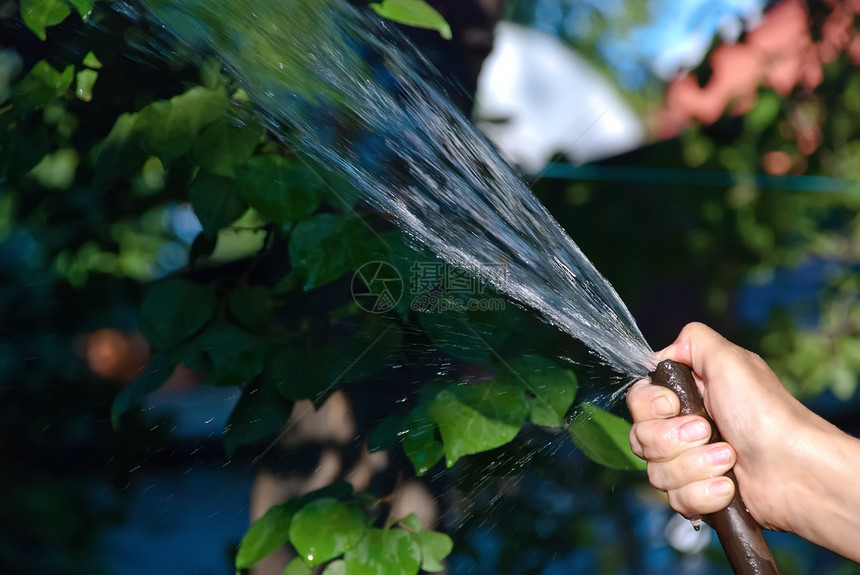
(656, 476)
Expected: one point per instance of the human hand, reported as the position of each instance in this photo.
(785, 457)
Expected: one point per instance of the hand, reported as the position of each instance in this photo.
(792, 466)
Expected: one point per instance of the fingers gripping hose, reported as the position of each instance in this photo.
(740, 535)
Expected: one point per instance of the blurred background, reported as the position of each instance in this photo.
(703, 154)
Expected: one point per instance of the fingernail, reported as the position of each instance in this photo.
(719, 455)
(720, 488)
(661, 406)
(694, 431)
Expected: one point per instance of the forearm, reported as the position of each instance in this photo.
(827, 505)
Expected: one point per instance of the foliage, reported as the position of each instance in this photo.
(331, 527)
(414, 13)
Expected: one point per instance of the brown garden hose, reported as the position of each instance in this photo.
(740, 535)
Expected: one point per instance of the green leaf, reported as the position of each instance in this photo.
(419, 439)
(434, 548)
(227, 142)
(603, 437)
(41, 14)
(298, 374)
(340, 490)
(411, 523)
(553, 388)
(325, 247)
(476, 418)
(335, 568)
(259, 414)
(764, 113)
(175, 309)
(251, 306)
(169, 129)
(384, 552)
(414, 13)
(377, 344)
(119, 156)
(216, 201)
(236, 356)
(41, 86)
(386, 434)
(90, 60)
(325, 529)
(266, 534)
(83, 7)
(160, 367)
(282, 190)
(451, 331)
(297, 567)
(84, 82)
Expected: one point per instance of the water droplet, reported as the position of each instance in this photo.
(402, 433)
(210, 420)
(310, 557)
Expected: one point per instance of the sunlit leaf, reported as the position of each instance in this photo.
(476, 418)
(324, 529)
(90, 60)
(41, 86)
(297, 567)
(216, 201)
(41, 14)
(434, 548)
(335, 568)
(84, 82)
(414, 13)
(603, 437)
(160, 367)
(56, 170)
(384, 552)
(420, 442)
(83, 7)
(282, 190)
(175, 309)
(553, 388)
(226, 142)
(169, 129)
(259, 414)
(266, 534)
(411, 522)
